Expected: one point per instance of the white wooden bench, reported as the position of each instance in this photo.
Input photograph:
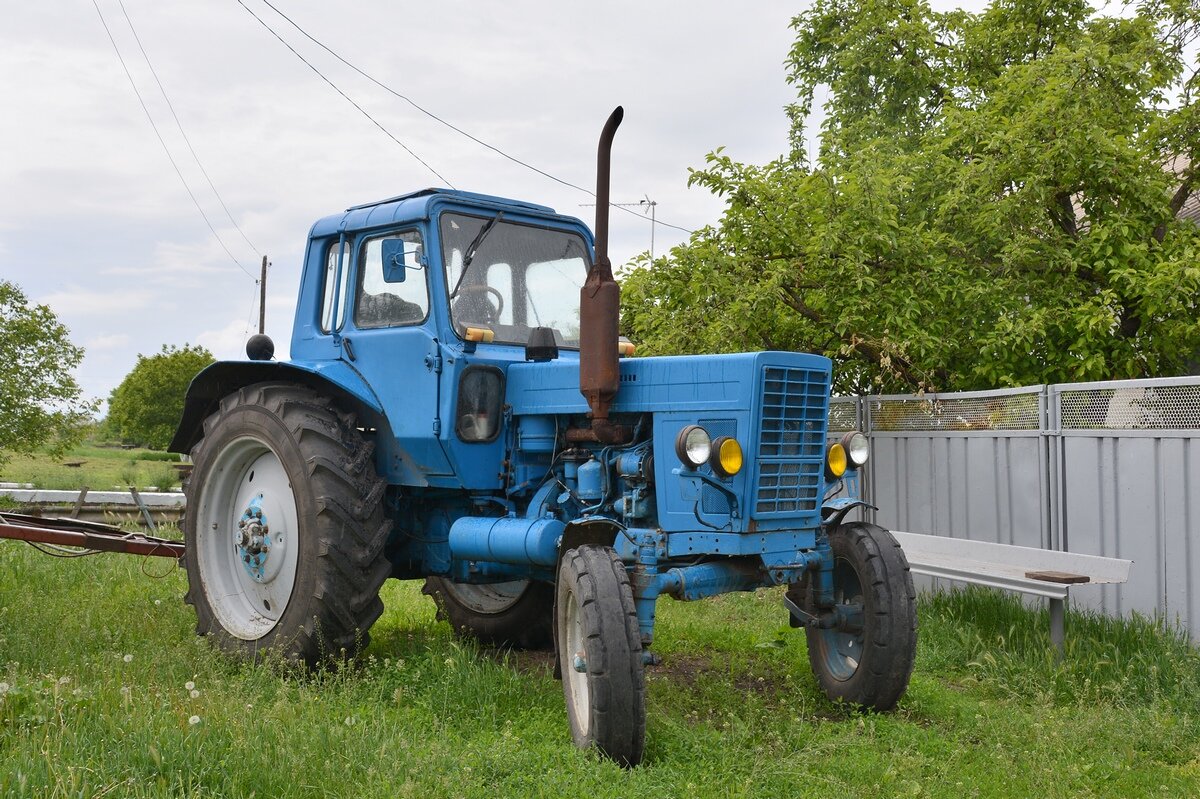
(1041, 572)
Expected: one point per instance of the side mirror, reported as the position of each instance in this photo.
(394, 266)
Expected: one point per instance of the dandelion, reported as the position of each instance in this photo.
(63, 680)
(193, 693)
(158, 602)
(190, 685)
(4, 688)
(193, 721)
(125, 689)
(349, 721)
(128, 658)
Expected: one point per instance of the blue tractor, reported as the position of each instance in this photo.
(459, 407)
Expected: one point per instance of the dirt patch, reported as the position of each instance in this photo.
(539, 663)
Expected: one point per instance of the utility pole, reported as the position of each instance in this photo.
(262, 298)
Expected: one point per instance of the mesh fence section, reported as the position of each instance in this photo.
(1144, 408)
(843, 414)
(1001, 412)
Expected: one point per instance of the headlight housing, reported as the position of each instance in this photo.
(693, 445)
(727, 457)
(835, 461)
(857, 447)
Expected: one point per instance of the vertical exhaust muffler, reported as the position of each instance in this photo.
(600, 309)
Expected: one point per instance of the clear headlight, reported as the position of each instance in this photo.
(858, 449)
(693, 445)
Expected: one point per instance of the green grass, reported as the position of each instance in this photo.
(103, 469)
(97, 652)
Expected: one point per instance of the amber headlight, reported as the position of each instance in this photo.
(727, 457)
(857, 448)
(693, 445)
(835, 461)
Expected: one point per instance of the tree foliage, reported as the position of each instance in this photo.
(148, 404)
(995, 202)
(40, 402)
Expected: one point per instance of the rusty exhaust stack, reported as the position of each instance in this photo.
(599, 311)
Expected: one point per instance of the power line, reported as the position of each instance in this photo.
(424, 111)
(332, 85)
(163, 142)
(427, 112)
(179, 125)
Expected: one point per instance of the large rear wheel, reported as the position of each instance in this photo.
(868, 659)
(515, 614)
(285, 527)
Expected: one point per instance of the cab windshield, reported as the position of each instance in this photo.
(518, 277)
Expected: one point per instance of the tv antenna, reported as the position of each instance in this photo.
(647, 205)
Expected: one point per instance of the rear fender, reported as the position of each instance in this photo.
(335, 379)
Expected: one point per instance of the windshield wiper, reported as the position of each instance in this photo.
(472, 248)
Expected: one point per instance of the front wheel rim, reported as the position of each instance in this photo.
(842, 650)
(575, 667)
(247, 540)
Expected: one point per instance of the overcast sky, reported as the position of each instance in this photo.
(95, 223)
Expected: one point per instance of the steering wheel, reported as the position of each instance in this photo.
(490, 294)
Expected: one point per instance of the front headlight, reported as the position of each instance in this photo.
(693, 446)
(858, 449)
(835, 461)
(727, 458)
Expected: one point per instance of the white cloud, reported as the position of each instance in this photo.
(228, 341)
(110, 341)
(81, 301)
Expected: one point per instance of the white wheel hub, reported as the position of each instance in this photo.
(576, 672)
(246, 529)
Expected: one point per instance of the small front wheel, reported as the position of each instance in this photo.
(868, 659)
(600, 650)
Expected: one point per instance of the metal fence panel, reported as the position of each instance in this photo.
(1130, 483)
(1099, 468)
(967, 465)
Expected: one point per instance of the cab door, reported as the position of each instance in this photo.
(388, 338)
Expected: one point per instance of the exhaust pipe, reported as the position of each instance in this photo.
(599, 311)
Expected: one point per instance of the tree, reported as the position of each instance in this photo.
(993, 203)
(40, 402)
(148, 404)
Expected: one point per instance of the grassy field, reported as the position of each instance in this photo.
(102, 468)
(105, 690)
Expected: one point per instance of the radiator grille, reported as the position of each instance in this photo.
(791, 443)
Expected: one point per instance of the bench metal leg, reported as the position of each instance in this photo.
(1057, 624)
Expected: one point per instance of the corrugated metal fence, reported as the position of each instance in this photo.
(1107, 468)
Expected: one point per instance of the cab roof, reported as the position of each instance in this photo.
(413, 206)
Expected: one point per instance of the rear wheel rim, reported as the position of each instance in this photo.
(487, 599)
(247, 538)
(841, 651)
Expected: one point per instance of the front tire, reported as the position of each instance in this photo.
(285, 528)
(518, 614)
(868, 663)
(600, 649)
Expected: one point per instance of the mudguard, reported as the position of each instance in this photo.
(834, 510)
(337, 379)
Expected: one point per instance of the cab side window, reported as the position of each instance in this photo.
(332, 292)
(393, 287)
